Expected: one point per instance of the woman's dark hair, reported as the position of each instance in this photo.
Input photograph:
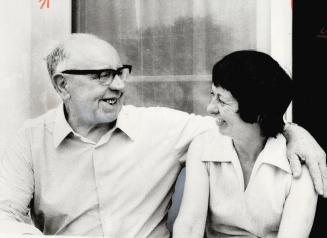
(259, 84)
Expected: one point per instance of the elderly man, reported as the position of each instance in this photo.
(95, 167)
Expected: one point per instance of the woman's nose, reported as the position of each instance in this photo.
(212, 108)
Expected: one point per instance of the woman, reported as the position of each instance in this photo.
(245, 189)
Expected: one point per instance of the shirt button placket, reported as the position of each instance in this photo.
(97, 178)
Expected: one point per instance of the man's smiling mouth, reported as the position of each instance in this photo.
(112, 100)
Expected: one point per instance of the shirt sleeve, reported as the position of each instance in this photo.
(192, 214)
(16, 186)
(185, 127)
(299, 208)
(195, 126)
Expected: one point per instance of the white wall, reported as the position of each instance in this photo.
(274, 33)
(274, 30)
(25, 31)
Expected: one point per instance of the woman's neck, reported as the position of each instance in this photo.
(249, 143)
(248, 146)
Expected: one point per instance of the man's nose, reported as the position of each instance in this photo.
(117, 83)
(212, 108)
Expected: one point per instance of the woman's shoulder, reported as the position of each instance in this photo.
(277, 149)
(213, 136)
(211, 146)
(274, 153)
(304, 181)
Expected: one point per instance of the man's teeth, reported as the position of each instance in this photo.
(111, 101)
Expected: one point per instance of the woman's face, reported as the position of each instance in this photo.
(224, 107)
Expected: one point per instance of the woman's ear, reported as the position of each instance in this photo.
(60, 84)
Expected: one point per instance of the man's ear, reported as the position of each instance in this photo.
(60, 84)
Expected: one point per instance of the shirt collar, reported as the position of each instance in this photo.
(221, 149)
(274, 153)
(62, 128)
(127, 122)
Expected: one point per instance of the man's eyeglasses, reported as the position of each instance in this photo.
(102, 75)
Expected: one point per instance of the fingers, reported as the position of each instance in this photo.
(295, 165)
(316, 175)
(324, 180)
(323, 171)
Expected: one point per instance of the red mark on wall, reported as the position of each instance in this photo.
(44, 3)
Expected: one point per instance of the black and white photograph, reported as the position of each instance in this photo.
(163, 119)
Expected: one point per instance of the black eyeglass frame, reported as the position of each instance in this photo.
(98, 72)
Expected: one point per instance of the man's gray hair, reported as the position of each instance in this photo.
(56, 55)
(59, 52)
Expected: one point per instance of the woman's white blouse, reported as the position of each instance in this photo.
(254, 211)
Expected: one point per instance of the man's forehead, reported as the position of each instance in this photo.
(89, 54)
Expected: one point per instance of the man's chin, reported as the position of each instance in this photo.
(111, 116)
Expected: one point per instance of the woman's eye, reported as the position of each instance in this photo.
(220, 101)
